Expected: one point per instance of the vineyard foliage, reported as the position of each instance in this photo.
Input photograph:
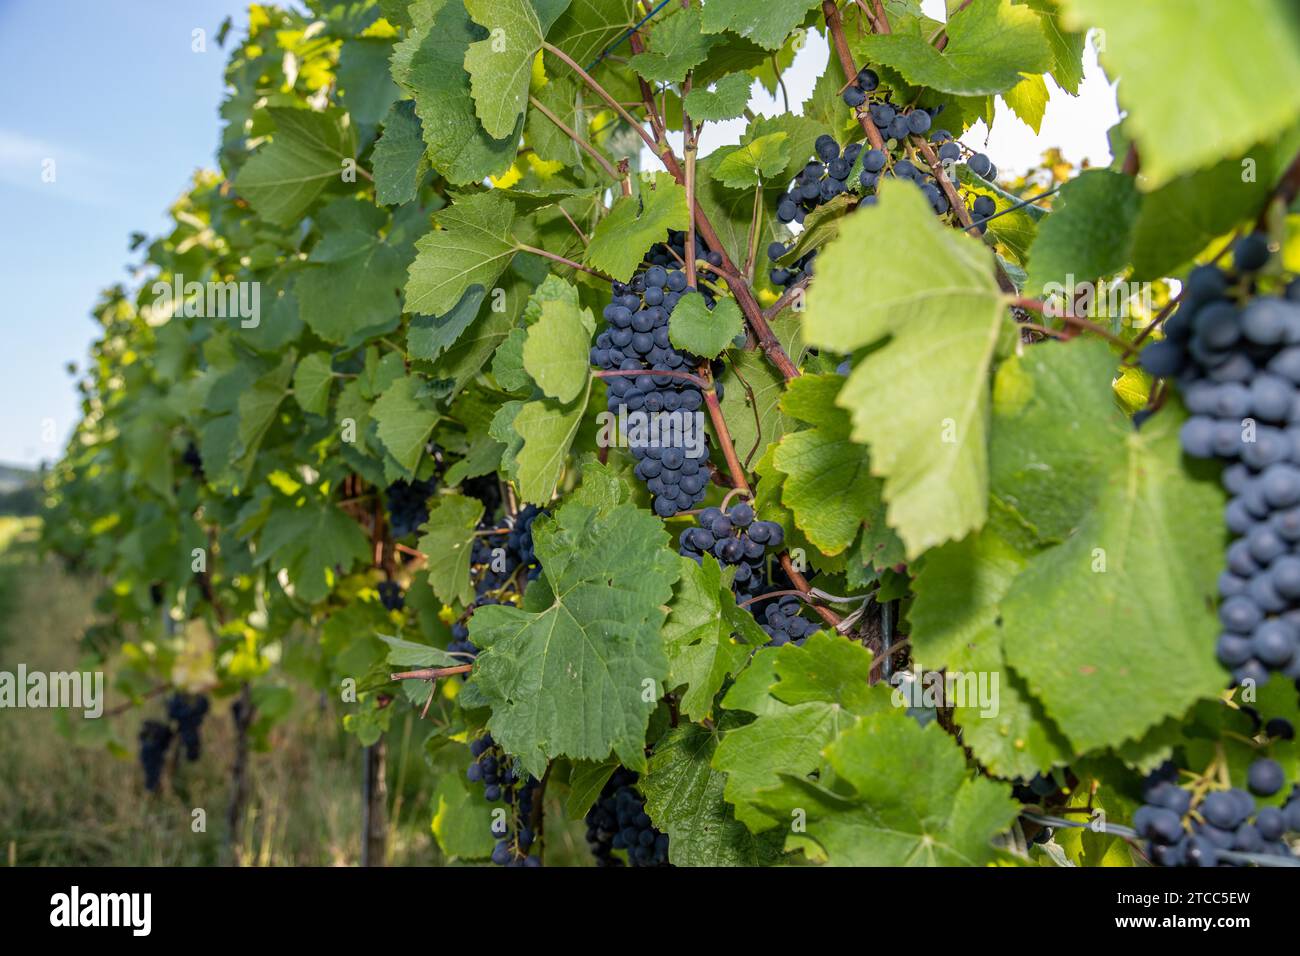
(395, 287)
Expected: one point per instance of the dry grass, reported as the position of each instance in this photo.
(64, 803)
(84, 804)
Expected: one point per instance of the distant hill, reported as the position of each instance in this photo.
(19, 490)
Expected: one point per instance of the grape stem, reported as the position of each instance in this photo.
(581, 143)
(555, 257)
(1038, 305)
(431, 673)
(659, 145)
(800, 582)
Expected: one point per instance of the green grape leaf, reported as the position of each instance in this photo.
(1182, 217)
(1131, 557)
(635, 223)
(556, 350)
(499, 67)
(561, 96)
(462, 818)
(956, 620)
(677, 45)
(311, 382)
(351, 287)
(399, 159)
(446, 544)
(428, 336)
(307, 539)
(1028, 100)
(727, 100)
(1089, 232)
(547, 428)
(767, 24)
(912, 800)
(473, 247)
(1237, 59)
(759, 421)
(694, 328)
(698, 635)
(459, 146)
(405, 421)
(754, 162)
(366, 89)
(1067, 46)
(508, 363)
(931, 292)
(828, 485)
(306, 153)
(990, 45)
(809, 696)
(580, 677)
(684, 798)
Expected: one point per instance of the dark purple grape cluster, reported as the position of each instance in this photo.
(193, 460)
(898, 124)
(1225, 821)
(981, 166)
(782, 624)
(187, 712)
(618, 821)
(493, 768)
(390, 595)
(1236, 356)
(155, 739)
(519, 541)
(820, 181)
(863, 85)
(636, 340)
(408, 505)
(672, 255)
(737, 540)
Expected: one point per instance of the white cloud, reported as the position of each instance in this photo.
(78, 177)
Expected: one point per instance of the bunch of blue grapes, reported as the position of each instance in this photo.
(155, 739)
(737, 540)
(493, 768)
(1224, 820)
(391, 596)
(618, 821)
(193, 460)
(820, 181)
(519, 541)
(408, 504)
(636, 340)
(1236, 356)
(672, 254)
(187, 712)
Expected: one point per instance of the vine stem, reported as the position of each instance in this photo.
(431, 673)
(582, 144)
(658, 144)
(1037, 305)
(801, 582)
(555, 257)
(835, 24)
(734, 466)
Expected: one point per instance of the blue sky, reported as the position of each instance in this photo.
(112, 92)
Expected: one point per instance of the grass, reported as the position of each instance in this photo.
(63, 803)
